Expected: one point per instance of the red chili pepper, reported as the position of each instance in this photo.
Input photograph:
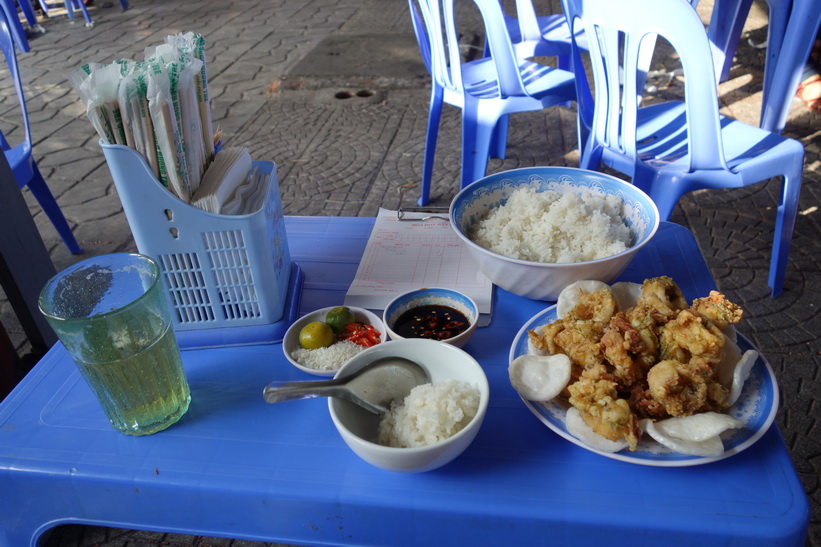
(358, 333)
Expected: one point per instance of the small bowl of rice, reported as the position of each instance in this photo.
(429, 428)
(535, 230)
(328, 360)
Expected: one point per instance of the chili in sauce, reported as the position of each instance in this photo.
(433, 321)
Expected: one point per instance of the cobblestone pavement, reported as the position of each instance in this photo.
(300, 82)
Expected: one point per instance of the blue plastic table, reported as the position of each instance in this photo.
(235, 466)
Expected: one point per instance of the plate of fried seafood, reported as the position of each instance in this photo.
(635, 373)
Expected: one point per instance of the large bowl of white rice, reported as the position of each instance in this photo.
(429, 428)
(535, 230)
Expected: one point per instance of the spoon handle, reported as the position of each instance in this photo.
(276, 392)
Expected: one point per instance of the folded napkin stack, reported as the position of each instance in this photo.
(230, 185)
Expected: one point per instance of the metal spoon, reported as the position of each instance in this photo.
(373, 387)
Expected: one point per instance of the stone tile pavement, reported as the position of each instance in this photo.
(335, 93)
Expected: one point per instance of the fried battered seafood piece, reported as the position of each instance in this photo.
(578, 333)
(642, 319)
(580, 340)
(690, 336)
(623, 345)
(644, 405)
(664, 296)
(717, 309)
(543, 338)
(681, 387)
(576, 338)
(596, 306)
(606, 414)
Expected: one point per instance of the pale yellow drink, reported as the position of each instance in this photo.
(149, 387)
(111, 315)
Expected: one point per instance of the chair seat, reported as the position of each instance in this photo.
(479, 79)
(554, 30)
(662, 144)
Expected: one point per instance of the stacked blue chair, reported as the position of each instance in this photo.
(533, 36)
(70, 6)
(485, 89)
(538, 35)
(19, 157)
(726, 23)
(802, 27)
(674, 147)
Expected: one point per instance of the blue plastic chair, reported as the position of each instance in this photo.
(70, 6)
(538, 35)
(19, 157)
(726, 23)
(533, 36)
(802, 27)
(9, 10)
(28, 12)
(675, 147)
(485, 89)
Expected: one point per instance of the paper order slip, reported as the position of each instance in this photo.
(402, 255)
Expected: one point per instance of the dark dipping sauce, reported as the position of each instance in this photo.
(434, 322)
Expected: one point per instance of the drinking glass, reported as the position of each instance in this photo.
(111, 314)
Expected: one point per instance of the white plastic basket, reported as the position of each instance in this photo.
(219, 271)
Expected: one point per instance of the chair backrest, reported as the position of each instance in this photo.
(7, 45)
(437, 34)
(527, 19)
(615, 33)
(421, 34)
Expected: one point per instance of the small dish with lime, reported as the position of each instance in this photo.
(321, 341)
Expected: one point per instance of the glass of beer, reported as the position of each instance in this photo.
(111, 314)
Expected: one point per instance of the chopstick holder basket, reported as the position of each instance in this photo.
(218, 270)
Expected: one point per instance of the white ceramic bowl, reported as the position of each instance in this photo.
(358, 427)
(290, 342)
(428, 297)
(538, 280)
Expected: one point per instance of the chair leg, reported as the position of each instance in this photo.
(776, 30)
(785, 224)
(432, 134)
(28, 12)
(565, 62)
(69, 9)
(498, 143)
(37, 186)
(82, 7)
(724, 31)
(478, 125)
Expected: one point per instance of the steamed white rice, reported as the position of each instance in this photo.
(429, 414)
(555, 227)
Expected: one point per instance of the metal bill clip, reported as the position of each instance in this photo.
(426, 212)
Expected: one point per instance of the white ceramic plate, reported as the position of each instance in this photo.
(756, 407)
(290, 342)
